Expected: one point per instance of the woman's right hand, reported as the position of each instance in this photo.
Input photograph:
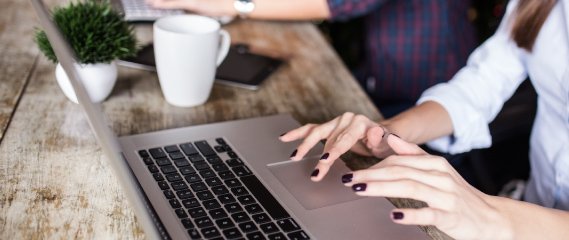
(346, 132)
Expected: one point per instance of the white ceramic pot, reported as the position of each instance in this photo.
(98, 79)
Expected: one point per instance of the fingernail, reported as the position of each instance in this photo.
(360, 187)
(315, 173)
(397, 215)
(325, 156)
(395, 135)
(346, 178)
(282, 134)
(294, 153)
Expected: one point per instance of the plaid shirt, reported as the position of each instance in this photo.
(410, 44)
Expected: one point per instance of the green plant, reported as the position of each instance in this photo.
(96, 32)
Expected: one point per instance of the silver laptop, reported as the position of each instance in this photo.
(229, 180)
(139, 10)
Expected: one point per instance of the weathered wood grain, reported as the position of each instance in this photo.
(55, 182)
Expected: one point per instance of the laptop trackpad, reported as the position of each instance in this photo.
(311, 195)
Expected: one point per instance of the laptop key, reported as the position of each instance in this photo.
(234, 182)
(214, 160)
(288, 225)
(143, 154)
(168, 169)
(219, 190)
(193, 177)
(238, 191)
(188, 149)
(224, 223)
(169, 194)
(218, 167)
(197, 212)
(232, 154)
(218, 213)
(199, 186)
(219, 148)
(255, 236)
(157, 153)
(163, 185)
(277, 236)
(204, 148)
(174, 177)
(253, 208)
(226, 175)
(207, 173)
(187, 223)
(191, 203)
(163, 161)
(240, 217)
(234, 162)
(196, 158)
(187, 170)
(210, 232)
(171, 148)
(213, 181)
(181, 185)
(248, 226)
(221, 141)
(202, 166)
(204, 195)
(147, 160)
(181, 162)
(232, 233)
(226, 198)
(181, 213)
(153, 168)
(265, 198)
(211, 204)
(299, 235)
(158, 176)
(269, 228)
(194, 234)
(233, 207)
(246, 199)
(261, 218)
(177, 155)
(242, 171)
(203, 222)
(175, 203)
(184, 194)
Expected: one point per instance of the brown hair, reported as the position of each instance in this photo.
(530, 16)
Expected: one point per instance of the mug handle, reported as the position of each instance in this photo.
(224, 46)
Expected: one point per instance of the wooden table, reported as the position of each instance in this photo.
(55, 181)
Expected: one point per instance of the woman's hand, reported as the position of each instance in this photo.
(215, 8)
(349, 131)
(454, 206)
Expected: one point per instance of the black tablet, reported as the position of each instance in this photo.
(240, 68)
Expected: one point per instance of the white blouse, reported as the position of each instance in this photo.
(477, 92)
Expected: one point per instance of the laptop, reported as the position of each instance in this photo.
(229, 180)
(140, 11)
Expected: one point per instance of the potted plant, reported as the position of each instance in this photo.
(98, 35)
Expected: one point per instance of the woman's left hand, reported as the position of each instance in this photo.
(454, 206)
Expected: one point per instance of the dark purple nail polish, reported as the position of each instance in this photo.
(282, 134)
(294, 153)
(346, 178)
(315, 173)
(360, 187)
(325, 156)
(397, 215)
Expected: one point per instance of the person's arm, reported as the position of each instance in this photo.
(530, 221)
(264, 9)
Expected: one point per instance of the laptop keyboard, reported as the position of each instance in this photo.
(216, 198)
(138, 10)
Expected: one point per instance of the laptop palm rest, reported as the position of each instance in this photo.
(295, 176)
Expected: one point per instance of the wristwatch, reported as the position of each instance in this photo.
(244, 7)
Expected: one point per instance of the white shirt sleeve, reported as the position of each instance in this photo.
(475, 95)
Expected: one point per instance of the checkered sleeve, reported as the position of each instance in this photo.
(346, 9)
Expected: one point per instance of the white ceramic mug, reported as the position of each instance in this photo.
(188, 48)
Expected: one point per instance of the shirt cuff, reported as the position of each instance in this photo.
(471, 130)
